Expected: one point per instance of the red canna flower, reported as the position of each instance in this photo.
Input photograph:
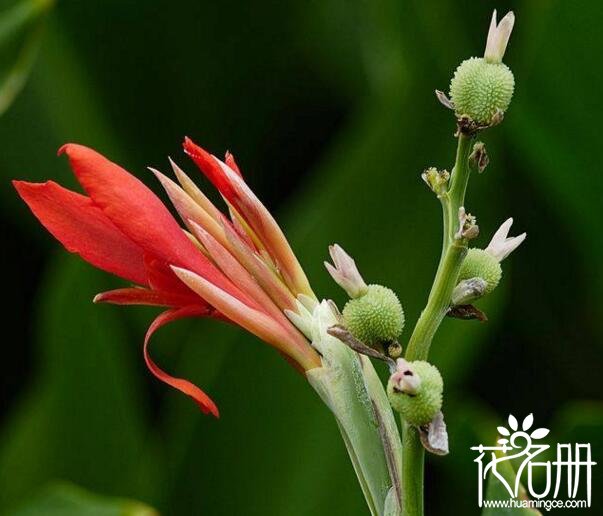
(238, 268)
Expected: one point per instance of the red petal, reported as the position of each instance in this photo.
(230, 161)
(140, 214)
(144, 296)
(75, 221)
(242, 277)
(162, 278)
(203, 400)
(258, 323)
(210, 167)
(189, 209)
(255, 214)
(265, 276)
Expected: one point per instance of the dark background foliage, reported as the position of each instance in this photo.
(329, 107)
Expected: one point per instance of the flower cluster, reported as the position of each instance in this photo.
(237, 268)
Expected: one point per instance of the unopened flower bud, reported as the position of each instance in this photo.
(478, 159)
(482, 87)
(498, 37)
(376, 318)
(480, 264)
(501, 244)
(436, 179)
(481, 90)
(415, 391)
(468, 228)
(345, 273)
(468, 291)
(404, 378)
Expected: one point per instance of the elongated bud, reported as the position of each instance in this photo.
(345, 273)
(501, 244)
(498, 37)
(415, 390)
(376, 318)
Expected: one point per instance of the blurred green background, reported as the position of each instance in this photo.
(329, 107)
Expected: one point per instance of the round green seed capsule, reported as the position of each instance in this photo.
(376, 317)
(420, 405)
(478, 89)
(480, 264)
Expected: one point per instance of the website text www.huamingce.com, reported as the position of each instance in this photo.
(547, 505)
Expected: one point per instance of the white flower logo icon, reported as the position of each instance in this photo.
(514, 432)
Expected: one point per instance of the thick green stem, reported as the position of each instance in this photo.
(453, 252)
(454, 198)
(452, 256)
(438, 302)
(458, 181)
(412, 471)
(349, 385)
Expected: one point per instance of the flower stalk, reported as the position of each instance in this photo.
(348, 384)
(469, 78)
(454, 250)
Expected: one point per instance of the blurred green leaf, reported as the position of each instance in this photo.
(84, 420)
(582, 422)
(64, 499)
(21, 27)
(549, 127)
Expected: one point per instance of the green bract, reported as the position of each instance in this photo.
(422, 406)
(481, 264)
(376, 317)
(478, 89)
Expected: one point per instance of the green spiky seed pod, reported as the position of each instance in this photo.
(481, 264)
(376, 317)
(478, 89)
(422, 404)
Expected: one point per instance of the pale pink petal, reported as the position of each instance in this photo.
(254, 321)
(195, 192)
(241, 276)
(270, 282)
(188, 209)
(239, 195)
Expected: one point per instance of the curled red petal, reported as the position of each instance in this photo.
(145, 296)
(82, 227)
(204, 402)
(140, 214)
